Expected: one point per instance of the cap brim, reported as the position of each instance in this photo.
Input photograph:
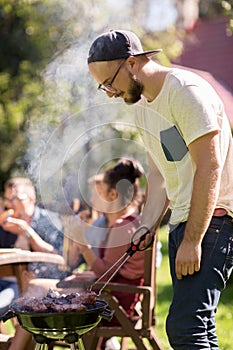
(149, 53)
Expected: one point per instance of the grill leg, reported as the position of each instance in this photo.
(80, 345)
(41, 346)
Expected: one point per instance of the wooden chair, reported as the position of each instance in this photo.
(142, 330)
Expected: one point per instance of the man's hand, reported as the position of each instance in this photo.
(147, 242)
(16, 226)
(5, 215)
(75, 228)
(188, 258)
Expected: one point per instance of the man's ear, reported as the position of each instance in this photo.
(132, 64)
(113, 194)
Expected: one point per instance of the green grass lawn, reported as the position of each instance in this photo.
(224, 317)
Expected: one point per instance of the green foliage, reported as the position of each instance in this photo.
(30, 34)
(228, 11)
(213, 8)
(20, 59)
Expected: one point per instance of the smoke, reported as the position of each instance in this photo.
(74, 116)
(77, 133)
(76, 152)
(79, 129)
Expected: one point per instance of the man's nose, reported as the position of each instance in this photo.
(110, 94)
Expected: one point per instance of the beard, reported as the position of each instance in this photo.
(135, 90)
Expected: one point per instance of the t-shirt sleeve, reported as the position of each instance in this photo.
(196, 111)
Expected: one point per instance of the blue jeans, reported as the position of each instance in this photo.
(191, 320)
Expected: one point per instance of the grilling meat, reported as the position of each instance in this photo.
(55, 302)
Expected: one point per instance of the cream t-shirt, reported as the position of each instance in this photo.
(186, 108)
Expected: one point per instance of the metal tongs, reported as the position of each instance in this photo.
(138, 237)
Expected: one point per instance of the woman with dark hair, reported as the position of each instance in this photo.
(119, 200)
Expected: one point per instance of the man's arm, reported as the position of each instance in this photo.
(156, 202)
(20, 227)
(205, 152)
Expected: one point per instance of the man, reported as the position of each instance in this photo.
(187, 135)
(27, 226)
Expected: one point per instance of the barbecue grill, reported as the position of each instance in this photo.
(70, 326)
(66, 326)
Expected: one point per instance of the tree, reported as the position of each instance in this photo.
(31, 32)
(24, 51)
(211, 8)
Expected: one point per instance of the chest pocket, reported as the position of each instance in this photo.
(173, 144)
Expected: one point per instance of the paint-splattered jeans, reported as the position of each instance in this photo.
(191, 319)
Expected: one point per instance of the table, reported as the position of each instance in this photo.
(14, 261)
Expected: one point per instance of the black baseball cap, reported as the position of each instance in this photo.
(116, 44)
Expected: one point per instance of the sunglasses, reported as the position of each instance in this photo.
(16, 199)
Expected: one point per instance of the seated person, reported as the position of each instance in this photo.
(119, 202)
(27, 226)
(89, 221)
(117, 196)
